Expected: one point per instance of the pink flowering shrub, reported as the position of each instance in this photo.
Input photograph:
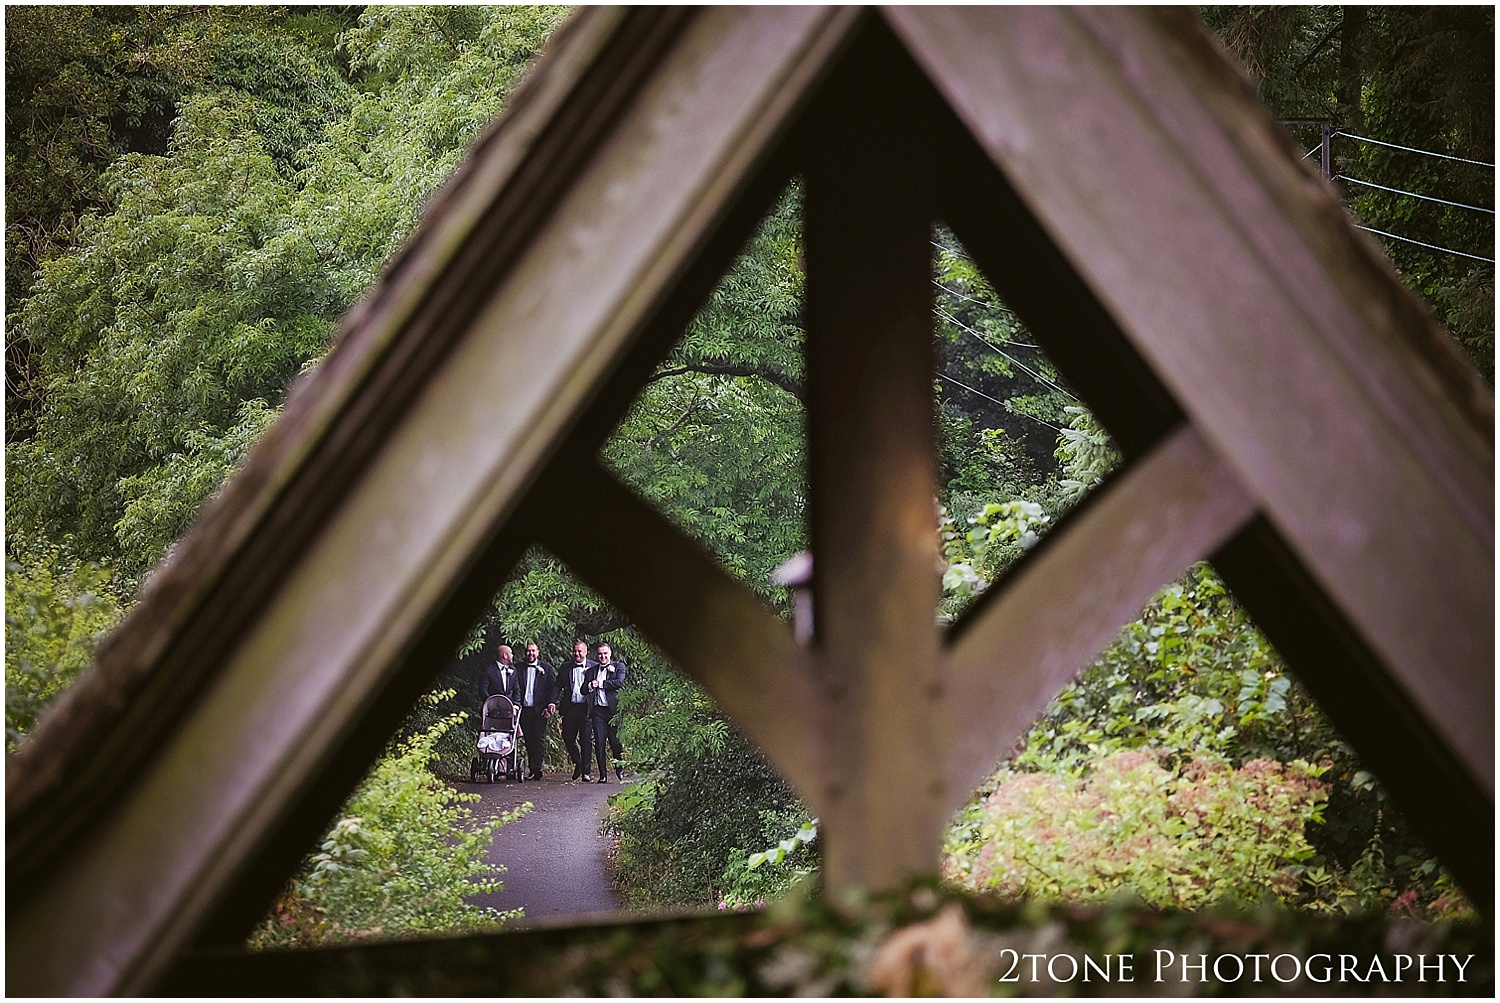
(1206, 834)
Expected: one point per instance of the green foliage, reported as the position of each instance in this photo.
(805, 836)
(57, 608)
(219, 264)
(1192, 675)
(1011, 397)
(1421, 77)
(86, 84)
(768, 875)
(716, 439)
(1198, 835)
(401, 859)
(1194, 680)
(194, 296)
(1001, 532)
(160, 502)
(685, 834)
(1085, 453)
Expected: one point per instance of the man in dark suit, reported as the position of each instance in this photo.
(572, 697)
(498, 677)
(615, 749)
(534, 684)
(604, 701)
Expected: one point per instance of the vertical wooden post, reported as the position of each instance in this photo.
(873, 484)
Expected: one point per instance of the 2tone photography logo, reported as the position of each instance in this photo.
(1166, 966)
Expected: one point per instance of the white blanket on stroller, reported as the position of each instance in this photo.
(497, 742)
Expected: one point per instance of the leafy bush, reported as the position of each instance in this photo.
(401, 859)
(56, 610)
(1203, 835)
(685, 834)
(1194, 677)
(769, 874)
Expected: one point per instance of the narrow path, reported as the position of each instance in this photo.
(554, 855)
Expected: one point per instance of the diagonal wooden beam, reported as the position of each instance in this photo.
(1088, 578)
(712, 627)
(1432, 790)
(1280, 331)
(292, 679)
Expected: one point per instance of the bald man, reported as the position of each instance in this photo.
(498, 676)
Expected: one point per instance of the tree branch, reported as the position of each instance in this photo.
(771, 376)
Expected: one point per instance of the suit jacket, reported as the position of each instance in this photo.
(563, 692)
(542, 689)
(614, 675)
(490, 682)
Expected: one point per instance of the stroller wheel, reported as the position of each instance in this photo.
(474, 770)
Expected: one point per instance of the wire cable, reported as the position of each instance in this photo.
(1014, 361)
(1415, 195)
(977, 302)
(1008, 408)
(1445, 250)
(987, 306)
(1412, 149)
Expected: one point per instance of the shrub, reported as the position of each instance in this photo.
(402, 858)
(56, 610)
(1205, 835)
(684, 834)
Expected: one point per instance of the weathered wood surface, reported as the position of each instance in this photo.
(873, 478)
(269, 660)
(1066, 601)
(340, 620)
(1276, 327)
(713, 628)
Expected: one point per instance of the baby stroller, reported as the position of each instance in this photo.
(499, 741)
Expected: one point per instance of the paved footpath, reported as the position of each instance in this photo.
(553, 856)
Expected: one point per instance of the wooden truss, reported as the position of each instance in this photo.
(1286, 409)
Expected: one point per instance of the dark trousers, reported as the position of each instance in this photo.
(614, 736)
(534, 728)
(600, 720)
(576, 735)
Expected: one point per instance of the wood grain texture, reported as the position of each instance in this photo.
(872, 472)
(710, 626)
(1092, 574)
(1284, 337)
(450, 471)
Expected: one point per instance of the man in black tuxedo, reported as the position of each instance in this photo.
(604, 701)
(615, 749)
(572, 697)
(498, 677)
(534, 684)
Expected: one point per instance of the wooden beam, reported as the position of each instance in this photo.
(440, 485)
(218, 578)
(1283, 335)
(713, 628)
(1432, 790)
(1061, 312)
(1067, 600)
(872, 473)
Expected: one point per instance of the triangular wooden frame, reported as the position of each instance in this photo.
(1286, 408)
